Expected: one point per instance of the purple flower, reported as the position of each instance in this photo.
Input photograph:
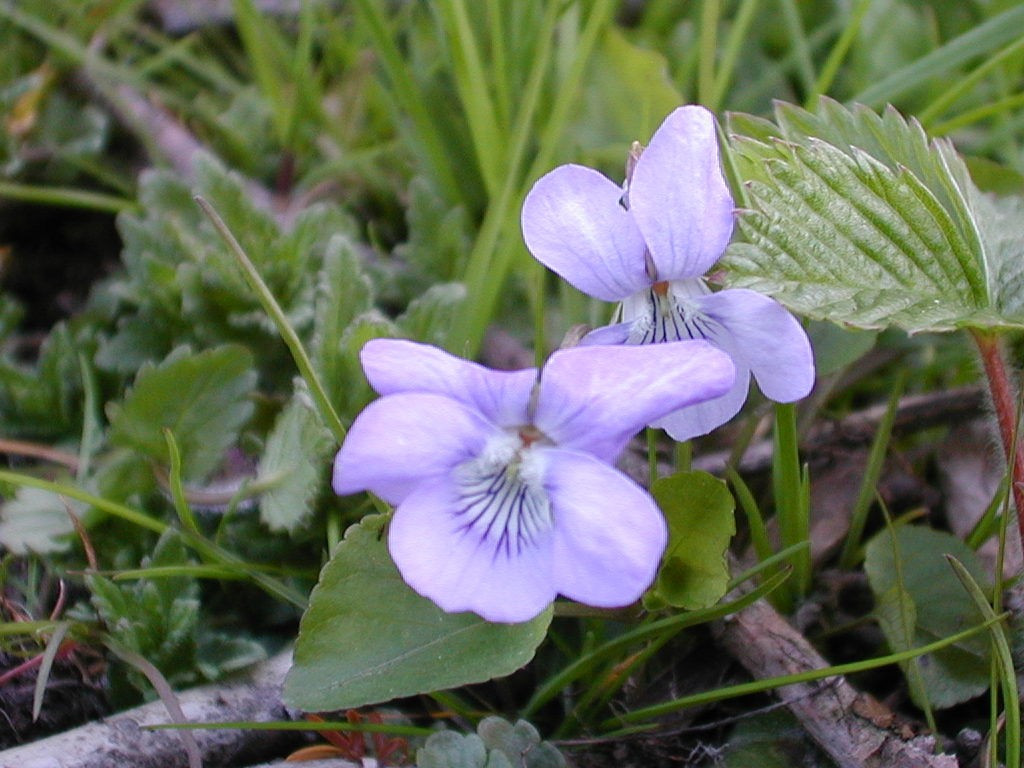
(501, 480)
(647, 245)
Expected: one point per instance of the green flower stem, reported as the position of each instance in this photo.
(288, 335)
(790, 507)
(1004, 404)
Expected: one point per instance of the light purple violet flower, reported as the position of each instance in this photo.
(648, 244)
(502, 482)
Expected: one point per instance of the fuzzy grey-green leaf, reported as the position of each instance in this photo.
(295, 462)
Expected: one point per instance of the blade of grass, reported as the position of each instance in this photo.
(407, 99)
(761, 686)
(672, 624)
(755, 521)
(284, 328)
(835, 57)
(799, 44)
(993, 109)
(991, 34)
(471, 83)
(792, 516)
(66, 197)
(43, 676)
(733, 46)
(990, 519)
(962, 85)
(204, 547)
(1004, 661)
(869, 482)
(489, 264)
(181, 506)
(709, 16)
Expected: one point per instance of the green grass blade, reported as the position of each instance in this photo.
(284, 328)
(66, 197)
(979, 41)
(761, 686)
(1004, 661)
(547, 690)
(869, 482)
(43, 675)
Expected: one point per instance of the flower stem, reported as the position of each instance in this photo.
(1004, 403)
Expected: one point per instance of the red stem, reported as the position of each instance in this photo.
(1004, 402)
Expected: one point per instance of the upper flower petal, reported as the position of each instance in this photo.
(595, 398)
(679, 197)
(442, 560)
(763, 336)
(609, 535)
(396, 365)
(400, 440)
(574, 224)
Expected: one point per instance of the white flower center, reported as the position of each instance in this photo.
(666, 312)
(502, 502)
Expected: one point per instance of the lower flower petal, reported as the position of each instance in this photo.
(461, 569)
(702, 418)
(763, 336)
(609, 534)
(400, 440)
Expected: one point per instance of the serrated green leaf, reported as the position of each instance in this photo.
(295, 462)
(36, 521)
(857, 218)
(439, 238)
(357, 392)
(202, 398)
(395, 642)
(44, 400)
(158, 619)
(429, 317)
(699, 509)
(344, 292)
(937, 604)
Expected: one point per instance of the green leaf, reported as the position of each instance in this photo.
(429, 317)
(699, 509)
(37, 521)
(857, 218)
(836, 347)
(295, 461)
(202, 398)
(344, 292)
(357, 392)
(159, 619)
(520, 743)
(937, 605)
(448, 749)
(629, 91)
(395, 642)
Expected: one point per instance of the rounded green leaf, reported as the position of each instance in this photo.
(699, 509)
(367, 637)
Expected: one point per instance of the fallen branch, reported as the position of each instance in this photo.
(851, 727)
(123, 740)
(913, 414)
